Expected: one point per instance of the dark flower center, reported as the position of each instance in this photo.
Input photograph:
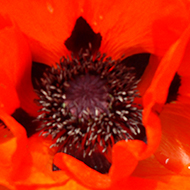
(88, 104)
(87, 96)
(88, 101)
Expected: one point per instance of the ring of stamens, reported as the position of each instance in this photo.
(88, 103)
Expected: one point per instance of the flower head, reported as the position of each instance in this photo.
(115, 33)
(88, 101)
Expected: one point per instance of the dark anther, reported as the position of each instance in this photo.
(81, 36)
(37, 71)
(139, 62)
(173, 90)
(25, 120)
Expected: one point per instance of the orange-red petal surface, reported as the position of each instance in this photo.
(124, 162)
(15, 66)
(47, 24)
(156, 94)
(130, 30)
(174, 150)
(82, 173)
(8, 98)
(126, 27)
(41, 174)
(14, 153)
(156, 175)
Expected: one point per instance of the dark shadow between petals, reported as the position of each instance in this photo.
(174, 88)
(81, 36)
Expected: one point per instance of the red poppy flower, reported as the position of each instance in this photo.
(131, 30)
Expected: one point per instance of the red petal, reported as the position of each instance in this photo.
(152, 169)
(16, 64)
(40, 172)
(174, 149)
(153, 131)
(135, 183)
(8, 97)
(184, 72)
(176, 182)
(46, 24)
(81, 172)
(157, 175)
(124, 162)
(129, 30)
(156, 94)
(70, 185)
(4, 188)
(124, 159)
(14, 153)
(164, 28)
(126, 26)
(148, 74)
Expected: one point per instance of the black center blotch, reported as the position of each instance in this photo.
(96, 160)
(26, 121)
(37, 72)
(81, 36)
(174, 88)
(139, 62)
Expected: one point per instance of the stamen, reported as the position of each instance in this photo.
(88, 104)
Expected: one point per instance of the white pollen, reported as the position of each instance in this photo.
(125, 118)
(90, 152)
(118, 112)
(103, 150)
(49, 98)
(77, 130)
(64, 96)
(114, 130)
(44, 92)
(99, 131)
(52, 87)
(106, 137)
(120, 99)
